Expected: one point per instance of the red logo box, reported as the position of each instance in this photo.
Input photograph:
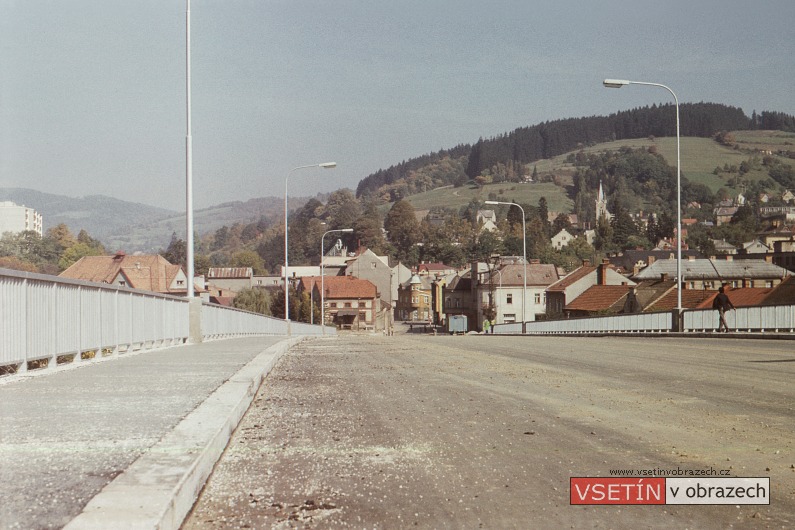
(616, 490)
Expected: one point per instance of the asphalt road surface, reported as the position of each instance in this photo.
(483, 431)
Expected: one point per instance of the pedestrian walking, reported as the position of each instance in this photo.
(722, 304)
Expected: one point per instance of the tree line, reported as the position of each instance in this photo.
(503, 153)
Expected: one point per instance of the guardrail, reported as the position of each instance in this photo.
(47, 321)
(776, 319)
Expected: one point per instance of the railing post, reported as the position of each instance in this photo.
(677, 320)
(195, 321)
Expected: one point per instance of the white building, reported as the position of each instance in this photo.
(501, 291)
(15, 218)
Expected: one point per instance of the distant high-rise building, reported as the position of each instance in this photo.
(15, 218)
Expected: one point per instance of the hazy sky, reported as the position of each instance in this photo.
(92, 92)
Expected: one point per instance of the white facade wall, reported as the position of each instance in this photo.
(15, 218)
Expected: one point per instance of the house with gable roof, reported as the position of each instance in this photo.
(142, 271)
(570, 287)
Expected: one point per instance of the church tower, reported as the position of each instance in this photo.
(601, 205)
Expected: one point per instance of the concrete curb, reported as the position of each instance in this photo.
(158, 490)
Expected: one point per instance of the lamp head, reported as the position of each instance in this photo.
(328, 165)
(492, 202)
(346, 230)
(615, 83)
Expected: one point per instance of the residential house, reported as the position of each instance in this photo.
(143, 271)
(724, 247)
(754, 247)
(415, 300)
(568, 288)
(487, 220)
(375, 269)
(787, 196)
(598, 300)
(724, 214)
(500, 291)
(710, 274)
(229, 280)
(460, 299)
(561, 239)
(351, 303)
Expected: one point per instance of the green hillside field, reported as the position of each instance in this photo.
(699, 158)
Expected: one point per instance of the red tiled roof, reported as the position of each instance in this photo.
(740, 297)
(348, 287)
(598, 297)
(783, 293)
(146, 271)
(577, 274)
(690, 300)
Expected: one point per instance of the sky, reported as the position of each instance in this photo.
(93, 92)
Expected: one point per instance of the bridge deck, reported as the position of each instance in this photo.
(67, 434)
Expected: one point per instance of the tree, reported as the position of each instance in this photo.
(403, 230)
(248, 258)
(254, 300)
(75, 252)
(342, 209)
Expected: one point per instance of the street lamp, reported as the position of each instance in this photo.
(618, 83)
(323, 279)
(325, 165)
(524, 251)
(188, 160)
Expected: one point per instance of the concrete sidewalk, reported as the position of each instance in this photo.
(126, 442)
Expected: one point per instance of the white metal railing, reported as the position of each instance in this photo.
(772, 319)
(46, 319)
(776, 319)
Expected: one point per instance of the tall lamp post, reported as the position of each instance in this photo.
(618, 83)
(323, 278)
(326, 165)
(524, 251)
(188, 160)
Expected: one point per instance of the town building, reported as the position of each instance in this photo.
(561, 239)
(15, 219)
(351, 303)
(568, 288)
(500, 291)
(710, 274)
(415, 300)
(142, 271)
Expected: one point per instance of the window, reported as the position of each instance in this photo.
(509, 318)
(458, 302)
(362, 316)
(347, 304)
(333, 304)
(425, 299)
(122, 283)
(538, 298)
(180, 282)
(769, 284)
(509, 298)
(362, 304)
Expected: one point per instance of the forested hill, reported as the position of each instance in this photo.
(548, 139)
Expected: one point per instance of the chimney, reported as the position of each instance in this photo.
(691, 257)
(729, 257)
(664, 277)
(586, 263)
(768, 258)
(651, 260)
(712, 258)
(601, 272)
